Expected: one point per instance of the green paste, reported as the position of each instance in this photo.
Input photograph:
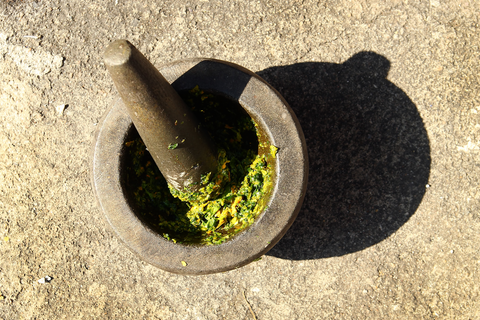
(230, 200)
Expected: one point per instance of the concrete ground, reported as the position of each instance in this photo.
(386, 93)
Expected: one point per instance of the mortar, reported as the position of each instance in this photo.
(275, 120)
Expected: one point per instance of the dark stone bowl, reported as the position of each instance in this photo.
(275, 119)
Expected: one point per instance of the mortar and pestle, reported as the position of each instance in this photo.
(150, 107)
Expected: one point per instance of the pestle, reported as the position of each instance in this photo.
(181, 149)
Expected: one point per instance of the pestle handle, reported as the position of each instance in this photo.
(181, 149)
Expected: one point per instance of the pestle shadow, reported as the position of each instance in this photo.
(368, 150)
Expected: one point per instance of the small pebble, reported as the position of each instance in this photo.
(46, 279)
(60, 109)
(427, 186)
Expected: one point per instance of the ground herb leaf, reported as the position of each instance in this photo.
(172, 146)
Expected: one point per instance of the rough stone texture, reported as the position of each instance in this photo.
(387, 94)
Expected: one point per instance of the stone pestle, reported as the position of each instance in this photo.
(180, 147)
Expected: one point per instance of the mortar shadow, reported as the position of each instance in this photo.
(368, 150)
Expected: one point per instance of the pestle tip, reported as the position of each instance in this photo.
(118, 53)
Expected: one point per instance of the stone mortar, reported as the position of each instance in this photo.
(274, 117)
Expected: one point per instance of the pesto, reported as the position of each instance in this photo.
(230, 199)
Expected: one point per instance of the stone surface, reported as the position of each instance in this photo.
(423, 263)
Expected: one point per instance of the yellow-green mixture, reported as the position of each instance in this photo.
(230, 200)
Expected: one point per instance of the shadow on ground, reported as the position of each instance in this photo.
(368, 150)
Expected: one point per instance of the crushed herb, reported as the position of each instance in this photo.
(229, 200)
(172, 146)
(273, 151)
